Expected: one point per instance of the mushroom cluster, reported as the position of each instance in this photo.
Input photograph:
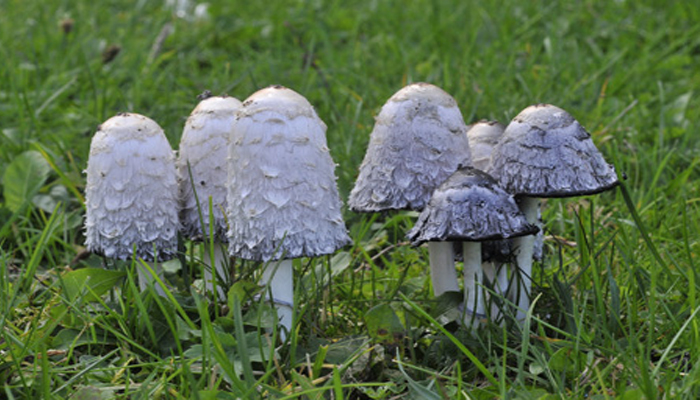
(470, 207)
(255, 181)
(417, 157)
(256, 177)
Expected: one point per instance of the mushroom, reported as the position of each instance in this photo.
(545, 152)
(203, 154)
(131, 194)
(283, 201)
(483, 137)
(418, 141)
(470, 207)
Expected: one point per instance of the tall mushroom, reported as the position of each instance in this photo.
(283, 201)
(545, 153)
(470, 207)
(418, 141)
(131, 193)
(203, 154)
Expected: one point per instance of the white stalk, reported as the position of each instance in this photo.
(473, 282)
(489, 269)
(145, 277)
(279, 278)
(497, 275)
(524, 246)
(220, 265)
(442, 267)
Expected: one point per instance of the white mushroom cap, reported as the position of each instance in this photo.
(204, 145)
(419, 140)
(131, 193)
(469, 206)
(545, 152)
(483, 137)
(283, 200)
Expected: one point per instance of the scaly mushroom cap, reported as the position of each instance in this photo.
(418, 141)
(204, 145)
(131, 193)
(469, 206)
(283, 200)
(483, 137)
(545, 152)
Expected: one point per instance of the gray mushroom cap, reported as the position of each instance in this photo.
(483, 137)
(283, 200)
(204, 146)
(418, 141)
(131, 193)
(545, 152)
(469, 206)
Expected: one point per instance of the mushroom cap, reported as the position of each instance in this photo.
(283, 200)
(483, 137)
(545, 152)
(418, 141)
(204, 145)
(470, 206)
(131, 194)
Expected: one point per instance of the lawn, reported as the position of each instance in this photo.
(615, 300)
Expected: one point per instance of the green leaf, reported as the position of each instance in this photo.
(566, 360)
(67, 339)
(90, 282)
(92, 393)
(48, 202)
(243, 291)
(23, 178)
(340, 262)
(633, 393)
(418, 390)
(383, 325)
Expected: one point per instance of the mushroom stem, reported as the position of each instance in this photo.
(218, 264)
(497, 276)
(524, 247)
(280, 279)
(473, 282)
(145, 277)
(442, 267)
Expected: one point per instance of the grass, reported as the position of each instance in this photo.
(615, 310)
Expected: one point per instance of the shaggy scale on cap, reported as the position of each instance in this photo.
(418, 141)
(131, 193)
(545, 152)
(283, 200)
(469, 206)
(204, 145)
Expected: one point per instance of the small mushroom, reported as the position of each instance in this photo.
(283, 201)
(202, 173)
(544, 153)
(131, 193)
(471, 208)
(418, 141)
